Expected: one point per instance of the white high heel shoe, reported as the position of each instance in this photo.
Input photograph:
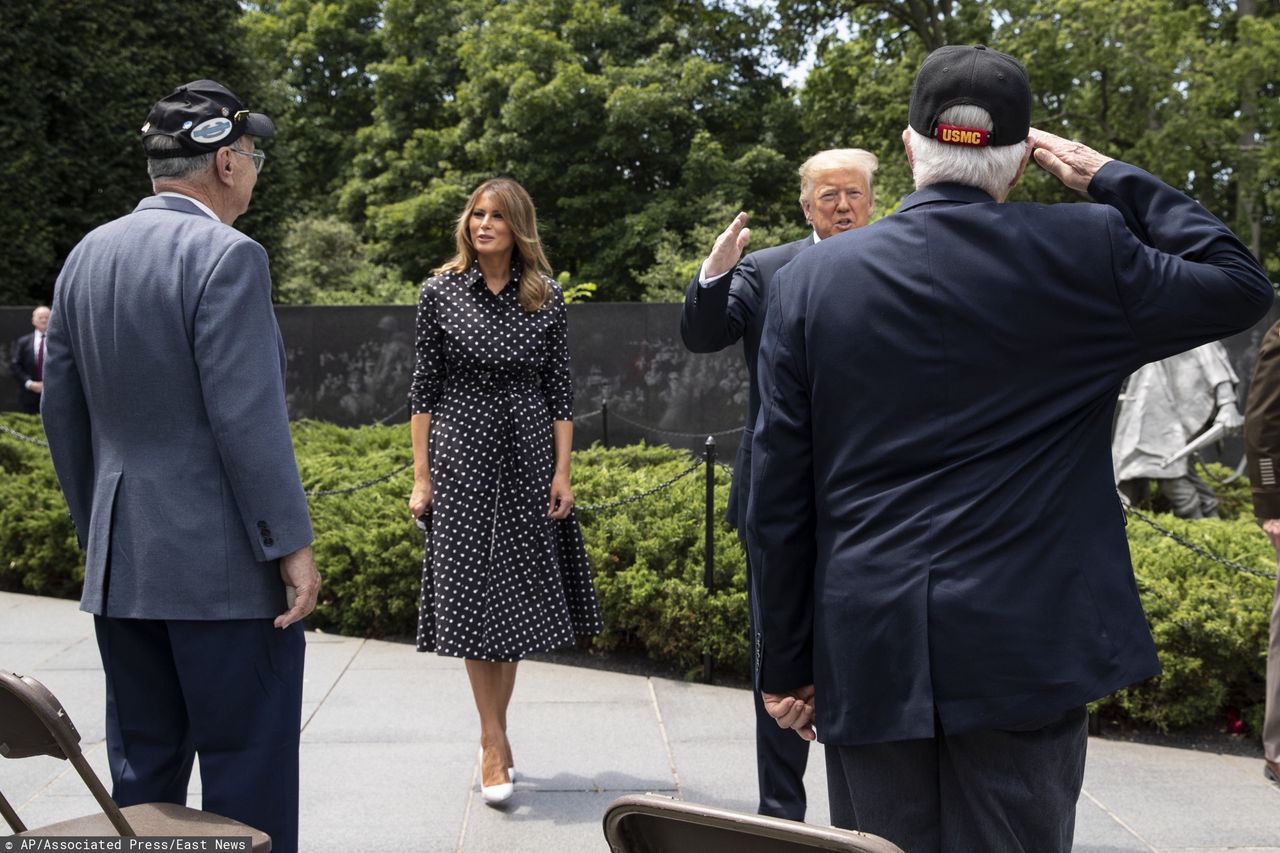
(500, 793)
(495, 794)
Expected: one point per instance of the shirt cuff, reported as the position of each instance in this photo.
(703, 281)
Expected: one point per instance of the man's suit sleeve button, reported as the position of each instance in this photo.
(268, 541)
(262, 525)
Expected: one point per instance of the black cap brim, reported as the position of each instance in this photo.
(256, 124)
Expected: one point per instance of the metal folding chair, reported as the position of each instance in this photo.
(33, 722)
(649, 823)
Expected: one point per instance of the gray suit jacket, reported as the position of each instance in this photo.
(164, 408)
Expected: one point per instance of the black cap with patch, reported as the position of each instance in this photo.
(960, 74)
(202, 116)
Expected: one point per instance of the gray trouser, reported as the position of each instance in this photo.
(1189, 496)
(976, 792)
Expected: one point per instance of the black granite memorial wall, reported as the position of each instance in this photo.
(352, 365)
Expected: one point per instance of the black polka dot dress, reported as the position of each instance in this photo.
(500, 579)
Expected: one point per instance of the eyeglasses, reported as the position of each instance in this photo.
(259, 157)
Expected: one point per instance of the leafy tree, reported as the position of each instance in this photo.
(79, 79)
(323, 262)
(1175, 87)
(1184, 89)
(624, 120)
(868, 52)
(319, 82)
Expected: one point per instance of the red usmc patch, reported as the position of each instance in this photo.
(953, 135)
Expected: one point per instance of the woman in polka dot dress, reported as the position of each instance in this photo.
(505, 572)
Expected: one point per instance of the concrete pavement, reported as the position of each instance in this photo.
(389, 754)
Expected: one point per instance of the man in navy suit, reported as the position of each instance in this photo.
(164, 407)
(724, 304)
(26, 362)
(940, 542)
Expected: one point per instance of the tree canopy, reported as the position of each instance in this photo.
(638, 126)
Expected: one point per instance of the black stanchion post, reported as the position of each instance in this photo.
(604, 420)
(709, 555)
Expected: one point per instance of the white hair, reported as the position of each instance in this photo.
(173, 168)
(991, 169)
(833, 159)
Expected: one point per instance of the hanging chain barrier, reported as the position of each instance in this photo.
(1194, 548)
(383, 420)
(639, 496)
(647, 428)
(22, 437)
(324, 493)
(320, 493)
(1200, 550)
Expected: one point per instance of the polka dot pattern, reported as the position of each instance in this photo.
(499, 579)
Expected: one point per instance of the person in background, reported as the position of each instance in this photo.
(1262, 452)
(164, 407)
(26, 362)
(724, 304)
(505, 571)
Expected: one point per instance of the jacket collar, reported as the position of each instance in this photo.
(946, 194)
(168, 202)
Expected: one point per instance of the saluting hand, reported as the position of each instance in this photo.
(1073, 163)
(728, 248)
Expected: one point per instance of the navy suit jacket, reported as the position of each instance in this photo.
(729, 309)
(164, 408)
(22, 365)
(941, 531)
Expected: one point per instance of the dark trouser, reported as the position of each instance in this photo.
(977, 792)
(781, 754)
(28, 401)
(230, 691)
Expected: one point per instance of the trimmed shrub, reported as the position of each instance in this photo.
(367, 547)
(1210, 621)
(38, 549)
(648, 557)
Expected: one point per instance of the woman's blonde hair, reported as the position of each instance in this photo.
(522, 219)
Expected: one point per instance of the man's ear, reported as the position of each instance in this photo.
(222, 165)
(906, 143)
(804, 207)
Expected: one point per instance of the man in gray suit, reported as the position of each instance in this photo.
(164, 408)
(724, 303)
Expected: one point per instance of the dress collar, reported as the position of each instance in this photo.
(476, 279)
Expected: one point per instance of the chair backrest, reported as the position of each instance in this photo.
(648, 823)
(33, 722)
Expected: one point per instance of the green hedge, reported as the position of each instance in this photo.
(1209, 621)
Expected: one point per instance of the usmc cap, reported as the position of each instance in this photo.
(202, 116)
(960, 74)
